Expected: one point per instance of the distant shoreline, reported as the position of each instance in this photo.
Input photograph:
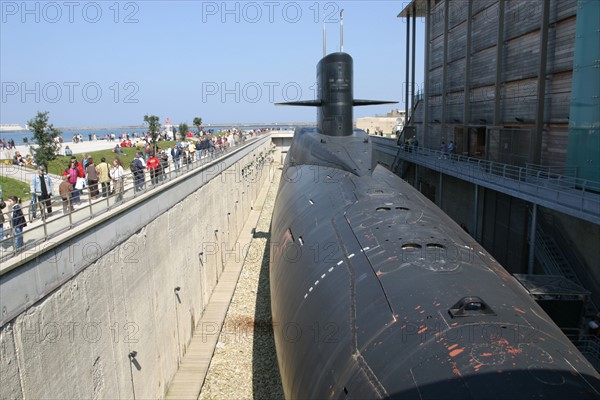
(90, 128)
(140, 127)
(25, 137)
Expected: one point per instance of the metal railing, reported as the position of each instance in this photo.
(37, 234)
(553, 169)
(572, 193)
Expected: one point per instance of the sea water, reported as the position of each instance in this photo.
(68, 133)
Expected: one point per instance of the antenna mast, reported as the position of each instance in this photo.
(324, 40)
(342, 30)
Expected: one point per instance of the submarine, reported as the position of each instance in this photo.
(377, 293)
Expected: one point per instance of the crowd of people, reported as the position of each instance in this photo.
(112, 137)
(26, 161)
(96, 177)
(447, 150)
(105, 179)
(7, 145)
(93, 137)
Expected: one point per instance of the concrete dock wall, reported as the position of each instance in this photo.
(108, 311)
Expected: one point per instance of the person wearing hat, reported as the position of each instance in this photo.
(41, 187)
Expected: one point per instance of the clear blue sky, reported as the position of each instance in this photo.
(109, 63)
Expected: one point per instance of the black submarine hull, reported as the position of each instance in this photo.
(377, 293)
(367, 276)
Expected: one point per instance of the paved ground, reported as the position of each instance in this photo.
(78, 148)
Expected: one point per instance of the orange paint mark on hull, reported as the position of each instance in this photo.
(456, 352)
(455, 370)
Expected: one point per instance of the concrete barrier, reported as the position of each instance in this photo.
(107, 310)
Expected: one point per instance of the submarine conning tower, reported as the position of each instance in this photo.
(335, 96)
(334, 80)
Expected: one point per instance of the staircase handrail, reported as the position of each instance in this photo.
(548, 261)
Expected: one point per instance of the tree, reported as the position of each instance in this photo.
(153, 127)
(45, 137)
(198, 124)
(183, 129)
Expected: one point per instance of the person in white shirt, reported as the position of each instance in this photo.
(116, 175)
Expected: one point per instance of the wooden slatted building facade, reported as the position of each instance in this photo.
(498, 81)
(498, 77)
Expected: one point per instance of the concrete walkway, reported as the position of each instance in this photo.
(77, 148)
(24, 174)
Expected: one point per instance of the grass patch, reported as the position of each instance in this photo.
(13, 187)
(57, 166)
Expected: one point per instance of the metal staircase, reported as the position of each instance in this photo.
(551, 257)
(399, 166)
(557, 257)
(555, 254)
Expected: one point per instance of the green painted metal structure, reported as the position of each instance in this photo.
(584, 121)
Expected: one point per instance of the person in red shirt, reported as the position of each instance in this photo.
(152, 165)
